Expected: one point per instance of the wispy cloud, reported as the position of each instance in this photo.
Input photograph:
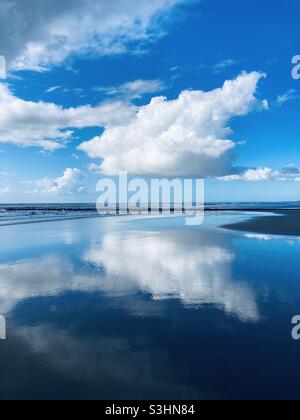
(225, 64)
(53, 89)
(134, 90)
(290, 95)
(5, 190)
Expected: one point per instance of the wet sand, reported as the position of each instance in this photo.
(284, 222)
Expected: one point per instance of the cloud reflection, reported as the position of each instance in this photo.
(192, 266)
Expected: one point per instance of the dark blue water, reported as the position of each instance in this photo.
(132, 308)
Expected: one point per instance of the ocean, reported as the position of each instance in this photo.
(29, 213)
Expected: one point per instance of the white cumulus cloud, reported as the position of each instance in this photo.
(47, 125)
(252, 175)
(288, 173)
(186, 136)
(258, 175)
(69, 183)
(38, 35)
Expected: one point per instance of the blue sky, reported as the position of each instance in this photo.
(110, 64)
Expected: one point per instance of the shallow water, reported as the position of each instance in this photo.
(133, 308)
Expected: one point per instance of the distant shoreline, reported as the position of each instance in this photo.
(11, 208)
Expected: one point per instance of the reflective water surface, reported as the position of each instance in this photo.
(132, 308)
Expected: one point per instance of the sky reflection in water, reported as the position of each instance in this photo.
(147, 308)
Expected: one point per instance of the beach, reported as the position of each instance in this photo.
(282, 222)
